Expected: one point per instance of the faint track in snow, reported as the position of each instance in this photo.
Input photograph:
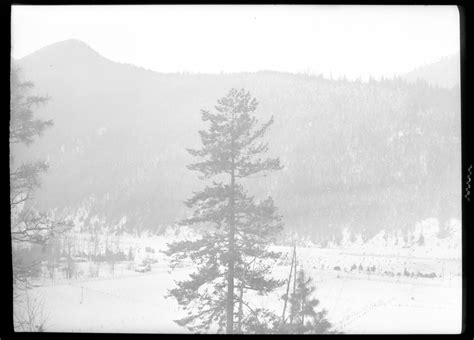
(351, 318)
(114, 295)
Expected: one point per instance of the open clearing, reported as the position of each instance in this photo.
(356, 302)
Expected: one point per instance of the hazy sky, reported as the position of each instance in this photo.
(338, 40)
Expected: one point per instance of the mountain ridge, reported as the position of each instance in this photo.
(444, 73)
(120, 135)
(80, 45)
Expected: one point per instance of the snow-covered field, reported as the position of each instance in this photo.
(363, 303)
(379, 286)
(356, 301)
(128, 304)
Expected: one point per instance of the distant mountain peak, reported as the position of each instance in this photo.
(72, 42)
(70, 48)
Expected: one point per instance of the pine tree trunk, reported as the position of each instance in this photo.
(239, 322)
(294, 284)
(230, 272)
(288, 285)
(303, 298)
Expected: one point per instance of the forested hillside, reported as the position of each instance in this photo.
(444, 73)
(367, 156)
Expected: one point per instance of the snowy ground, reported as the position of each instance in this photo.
(379, 304)
(132, 303)
(356, 301)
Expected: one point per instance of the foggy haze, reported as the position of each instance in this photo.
(236, 169)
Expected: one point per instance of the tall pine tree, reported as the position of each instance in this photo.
(24, 128)
(232, 256)
(27, 225)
